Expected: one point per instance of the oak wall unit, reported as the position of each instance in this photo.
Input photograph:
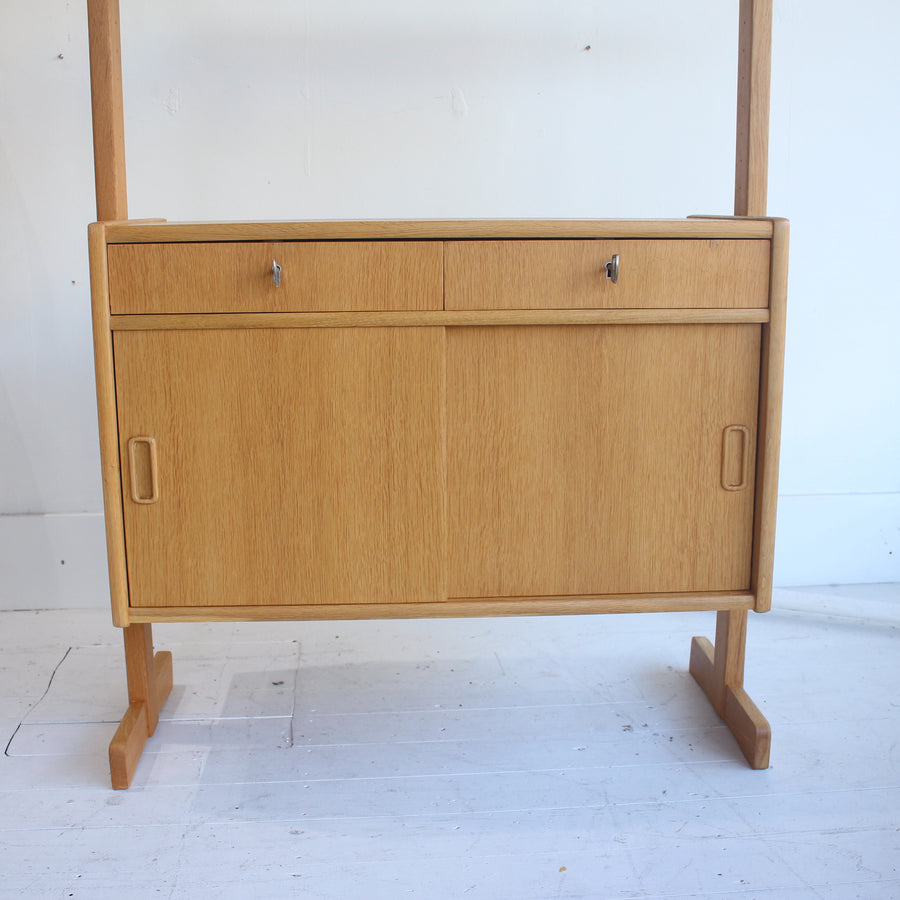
(328, 420)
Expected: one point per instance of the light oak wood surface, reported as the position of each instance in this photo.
(470, 608)
(438, 229)
(567, 274)
(197, 321)
(149, 679)
(588, 459)
(719, 670)
(771, 381)
(107, 108)
(237, 277)
(752, 131)
(108, 426)
(295, 466)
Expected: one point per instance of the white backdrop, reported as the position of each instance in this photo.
(408, 108)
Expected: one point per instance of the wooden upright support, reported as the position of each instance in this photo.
(149, 683)
(752, 144)
(719, 670)
(107, 109)
(149, 676)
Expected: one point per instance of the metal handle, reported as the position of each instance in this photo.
(142, 459)
(276, 273)
(612, 269)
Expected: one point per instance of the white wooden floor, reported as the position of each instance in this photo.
(492, 758)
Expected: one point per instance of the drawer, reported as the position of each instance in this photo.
(572, 274)
(316, 276)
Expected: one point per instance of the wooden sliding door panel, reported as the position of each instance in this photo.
(572, 274)
(315, 276)
(294, 466)
(601, 459)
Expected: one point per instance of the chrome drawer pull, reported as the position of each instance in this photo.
(276, 274)
(612, 269)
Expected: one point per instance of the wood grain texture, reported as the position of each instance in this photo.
(438, 229)
(752, 132)
(772, 378)
(295, 466)
(731, 645)
(554, 274)
(108, 425)
(588, 459)
(471, 607)
(149, 679)
(131, 736)
(749, 726)
(196, 321)
(107, 109)
(127, 744)
(138, 643)
(237, 277)
(719, 670)
(140, 671)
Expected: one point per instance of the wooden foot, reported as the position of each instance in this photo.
(719, 671)
(149, 683)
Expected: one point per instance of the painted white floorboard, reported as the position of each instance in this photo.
(493, 759)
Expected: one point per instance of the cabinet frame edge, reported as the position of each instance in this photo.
(107, 415)
(473, 607)
(770, 403)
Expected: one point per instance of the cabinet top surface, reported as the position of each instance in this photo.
(160, 231)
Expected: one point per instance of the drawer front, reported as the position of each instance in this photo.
(316, 276)
(572, 274)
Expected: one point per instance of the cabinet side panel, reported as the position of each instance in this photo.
(297, 466)
(772, 377)
(588, 459)
(106, 414)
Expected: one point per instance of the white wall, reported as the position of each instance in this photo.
(833, 171)
(399, 108)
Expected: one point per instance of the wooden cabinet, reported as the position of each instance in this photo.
(371, 437)
(352, 420)
(374, 419)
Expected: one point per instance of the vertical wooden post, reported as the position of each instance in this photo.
(107, 109)
(149, 683)
(719, 669)
(149, 675)
(752, 144)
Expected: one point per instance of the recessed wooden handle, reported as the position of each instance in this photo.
(735, 457)
(142, 464)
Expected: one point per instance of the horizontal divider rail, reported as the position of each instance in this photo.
(448, 318)
(709, 228)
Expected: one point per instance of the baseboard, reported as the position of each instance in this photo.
(837, 539)
(55, 561)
